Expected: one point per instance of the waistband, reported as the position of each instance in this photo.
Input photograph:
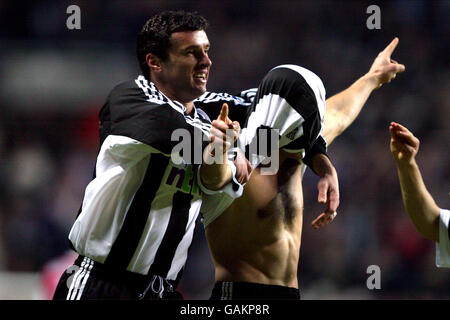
(154, 285)
(226, 290)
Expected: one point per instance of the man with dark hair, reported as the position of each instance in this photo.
(155, 35)
(137, 219)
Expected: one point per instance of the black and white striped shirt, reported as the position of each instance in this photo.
(139, 211)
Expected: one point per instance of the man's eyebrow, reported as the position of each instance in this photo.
(195, 46)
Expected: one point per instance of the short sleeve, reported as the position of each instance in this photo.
(443, 247)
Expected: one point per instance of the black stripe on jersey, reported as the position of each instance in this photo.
(175, 231)
(291, 86)
(124, 246)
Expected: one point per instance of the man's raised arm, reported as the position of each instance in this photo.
(419, 204)
(343, 108)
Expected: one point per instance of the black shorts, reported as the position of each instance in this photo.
(90, 280)
(252, 291)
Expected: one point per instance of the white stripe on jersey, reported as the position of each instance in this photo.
(314, 82)
(149, 91)
(443, 246)
(80, 280)
(75, 279)
(181, 252)
(249, 94)
(103, 210)
(275, 112)
(151, 238)
(85, 279)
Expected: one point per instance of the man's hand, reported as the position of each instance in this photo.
(328, 187)
(404, 145)
(384, 69)
(343, 108)
(221, 127)
(215, 171)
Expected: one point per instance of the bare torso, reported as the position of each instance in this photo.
(257, 239)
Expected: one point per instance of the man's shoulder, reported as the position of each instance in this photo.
(123, 87)
(135, 90)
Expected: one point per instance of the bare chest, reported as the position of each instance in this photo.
(278, 195)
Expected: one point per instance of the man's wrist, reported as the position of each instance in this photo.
(406, 163)
(371, 79)
(321, 164)
(210, 155)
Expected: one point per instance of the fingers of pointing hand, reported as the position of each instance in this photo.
(391, 47)
(223, 113)
(220, 125)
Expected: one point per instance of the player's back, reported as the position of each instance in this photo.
(257, 239)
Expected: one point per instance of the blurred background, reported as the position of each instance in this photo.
(53, 82)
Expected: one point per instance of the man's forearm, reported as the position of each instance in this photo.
(343, 108)
(418, 202)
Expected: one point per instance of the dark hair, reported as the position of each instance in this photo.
(155, 34)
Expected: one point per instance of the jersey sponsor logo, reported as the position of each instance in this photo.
(183, 179)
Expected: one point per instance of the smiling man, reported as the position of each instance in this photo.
(137, 219)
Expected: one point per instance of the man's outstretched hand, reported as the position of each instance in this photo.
(383, 68)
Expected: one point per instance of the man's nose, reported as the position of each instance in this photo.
(205, 61)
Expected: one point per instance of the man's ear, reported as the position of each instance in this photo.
(153, 62)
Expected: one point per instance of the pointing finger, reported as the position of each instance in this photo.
(391, 47)
(223, 113)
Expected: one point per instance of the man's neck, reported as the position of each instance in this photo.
(189, 105)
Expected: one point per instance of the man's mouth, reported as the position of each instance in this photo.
(201, 76)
